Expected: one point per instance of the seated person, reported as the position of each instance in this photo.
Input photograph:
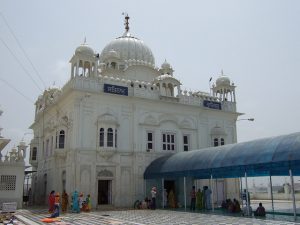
(144, 204)
(230, 206)
(260, 211)
(56, 212)
(236, 205)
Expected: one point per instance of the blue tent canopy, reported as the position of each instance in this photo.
(263, 157)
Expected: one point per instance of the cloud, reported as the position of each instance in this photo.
(60, 72)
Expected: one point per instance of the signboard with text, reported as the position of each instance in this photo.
(212, 105)
(115, 89)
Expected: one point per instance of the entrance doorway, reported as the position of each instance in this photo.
(104, 192)
(169, 185)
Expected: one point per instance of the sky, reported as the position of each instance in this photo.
(256, 43)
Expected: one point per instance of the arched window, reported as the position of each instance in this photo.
(113, 65)
(101, 140)
(222, 141)
(216, 142)
(110, 137)
(61, 139)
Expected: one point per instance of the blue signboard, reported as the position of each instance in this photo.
(212, 105)
(115, 89)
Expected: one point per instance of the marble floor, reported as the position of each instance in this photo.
(143, 217)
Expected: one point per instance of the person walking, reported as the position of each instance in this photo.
(193, 198)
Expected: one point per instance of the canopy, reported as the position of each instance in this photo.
(263, 157)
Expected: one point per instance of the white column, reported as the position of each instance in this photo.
(234, 96)
(271, 193)
(72, 70)
(184, 190)
(77, 67)
(293, 193)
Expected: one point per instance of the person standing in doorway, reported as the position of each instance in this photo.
(153, 195)
(193, 198)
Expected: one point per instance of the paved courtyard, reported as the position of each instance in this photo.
(141, 217)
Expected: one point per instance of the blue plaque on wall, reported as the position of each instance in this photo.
(212, 105)
(115, 89)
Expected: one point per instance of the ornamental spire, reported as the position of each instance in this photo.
(126, 23)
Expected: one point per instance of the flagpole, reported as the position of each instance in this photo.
(209, 85)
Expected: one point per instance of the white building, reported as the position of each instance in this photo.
(116, 114)
(12, 172)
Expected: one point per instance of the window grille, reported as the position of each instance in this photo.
(8, 182)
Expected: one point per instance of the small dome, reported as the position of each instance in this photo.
(112, 54)
(223, 81)
(166, 65)
(84, 49)
(217, 131)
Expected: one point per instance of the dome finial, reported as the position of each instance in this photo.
(222, 73)
(126, 21)
(84, 40)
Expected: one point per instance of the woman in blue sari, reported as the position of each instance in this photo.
(75, 207)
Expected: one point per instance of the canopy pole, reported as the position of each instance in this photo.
(293, 193)
(272, 193)
(163, 192)
(217, 191)
(241, 195)
(184, 190)
(247, 198)
(145, 187)
(212, 192)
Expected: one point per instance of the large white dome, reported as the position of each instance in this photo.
(129, 48)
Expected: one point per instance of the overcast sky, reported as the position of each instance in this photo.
(256, 43)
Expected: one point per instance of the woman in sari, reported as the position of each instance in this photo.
(51, 201)
(75, 207)
(64, 201)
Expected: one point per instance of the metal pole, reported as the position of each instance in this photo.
(272, 193)
(242, 191)
(184, 190)
(247, 199)
(217, 192)
(293, 193)
(163, 193)
(212, 192)
(145, 187)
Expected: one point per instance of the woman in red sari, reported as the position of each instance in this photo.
(51, 201)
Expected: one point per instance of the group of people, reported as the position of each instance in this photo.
(231, 206)
(200, 199)
(81, 204)
(78, 203)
